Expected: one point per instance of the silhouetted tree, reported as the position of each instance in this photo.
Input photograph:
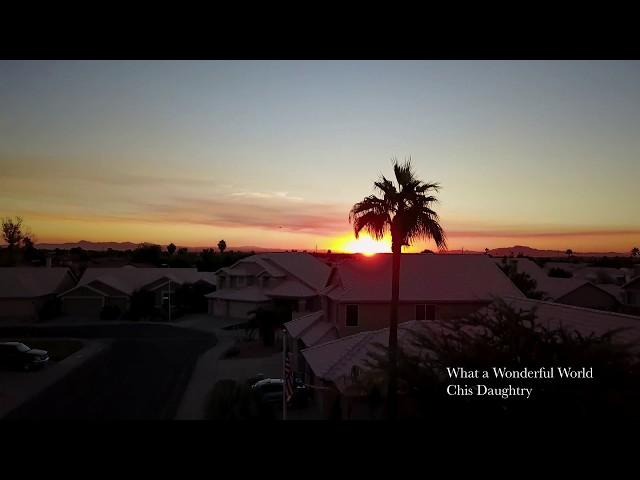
(486, 251)
(504, 336)
(266, 321)
(30, 252)
(635, 252)
(222, 245)
(12, 231)
(141, 305)
(404, 211)
(558, 272)
(522, 280)
(183, 251)
(147, 254)
(230, 400)
(569, 252)
(171, 248)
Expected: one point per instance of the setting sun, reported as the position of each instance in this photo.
(365, 245)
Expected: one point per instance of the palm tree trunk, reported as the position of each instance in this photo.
(392, 394)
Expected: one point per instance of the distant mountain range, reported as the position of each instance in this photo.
(99, 246)
(496, 252)
(534, 252)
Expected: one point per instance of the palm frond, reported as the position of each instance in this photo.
(403, 172)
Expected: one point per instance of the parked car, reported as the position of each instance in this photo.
(269, 391)
(18, 355)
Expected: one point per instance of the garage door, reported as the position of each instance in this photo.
(90, 307)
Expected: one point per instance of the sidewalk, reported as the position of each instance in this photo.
(204, 376)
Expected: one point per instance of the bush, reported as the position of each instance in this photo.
(508, 337)
(560, 273)
(230, 400)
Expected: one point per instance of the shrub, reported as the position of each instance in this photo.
(508, 337)
(558, 272)
(230, 400)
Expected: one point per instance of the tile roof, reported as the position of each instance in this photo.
(333, 361)
(292, 289)
(584, 320)
(29, 282)
(430, 278)
(311, 270)
(246, 294)
(553, 287)
(128, 279)
(312, 328)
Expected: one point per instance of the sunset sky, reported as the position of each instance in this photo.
(274, 154)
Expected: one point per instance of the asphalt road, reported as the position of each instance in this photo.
(142, 376)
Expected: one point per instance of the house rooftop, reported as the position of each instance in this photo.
(436, 278)
(30, 282)
(303, 266)
(334, 360)
(128, 279)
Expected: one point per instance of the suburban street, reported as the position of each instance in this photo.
(142, 376)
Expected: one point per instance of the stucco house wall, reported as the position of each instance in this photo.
(374, 316)
(632, 293)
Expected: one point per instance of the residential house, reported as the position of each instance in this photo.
(28, 293)
(100, 287)
(288, 279)
(631, 292)
(357, 295)
(602, 275)
(571, 291)
(337, 365)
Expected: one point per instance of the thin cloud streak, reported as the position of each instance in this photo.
(543, 234)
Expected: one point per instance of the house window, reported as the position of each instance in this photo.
(352, 315)
(425, 312)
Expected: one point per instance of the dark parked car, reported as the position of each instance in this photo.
(269, 391)
(18, 355)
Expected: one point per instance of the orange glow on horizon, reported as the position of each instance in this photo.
(364, 245)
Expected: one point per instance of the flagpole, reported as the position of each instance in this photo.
(284, 374)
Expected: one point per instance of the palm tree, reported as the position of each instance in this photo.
(222, 245)
(404, 211)
(635, 251)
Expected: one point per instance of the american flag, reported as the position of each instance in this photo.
(288, 379)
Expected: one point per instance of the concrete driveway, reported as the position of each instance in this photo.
(212, 368)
